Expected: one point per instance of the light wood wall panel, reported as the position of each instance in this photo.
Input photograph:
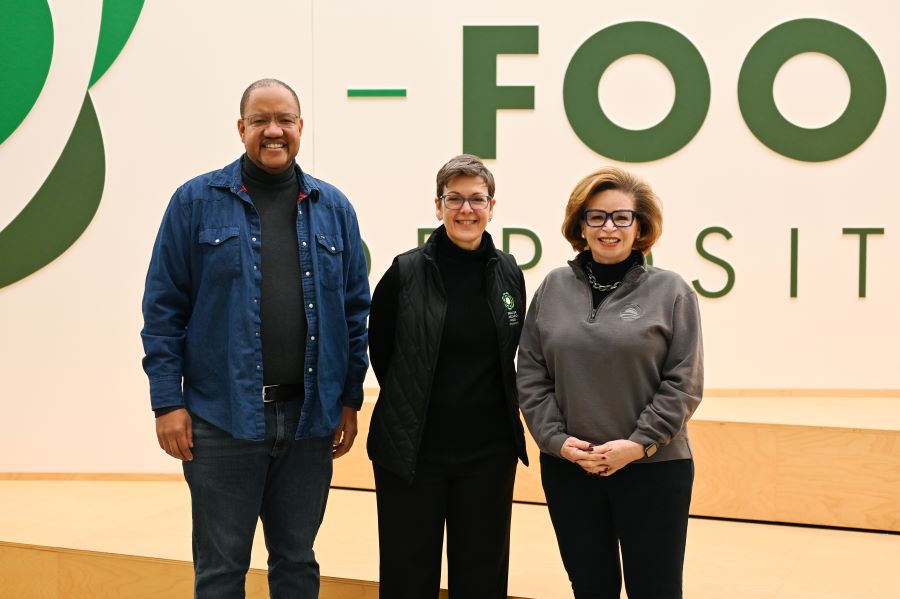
(845, 477)
(748, 465)
(781, 473)
(733, 465)
(28, 573)
(808, 475)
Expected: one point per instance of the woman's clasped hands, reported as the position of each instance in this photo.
(602, 460)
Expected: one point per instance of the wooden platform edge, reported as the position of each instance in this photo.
(40, 571)
(372, 392)
(801, 393)
(94, 476)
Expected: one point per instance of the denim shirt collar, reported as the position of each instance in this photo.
(230, 178)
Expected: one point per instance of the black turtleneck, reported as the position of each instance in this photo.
(606, 274)
(283, 319)
(467, 417)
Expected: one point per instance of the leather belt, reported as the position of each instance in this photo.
(272, 393)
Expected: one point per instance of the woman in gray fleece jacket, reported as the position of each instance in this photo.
(610, 369)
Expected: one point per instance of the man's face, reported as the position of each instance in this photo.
(270, 128)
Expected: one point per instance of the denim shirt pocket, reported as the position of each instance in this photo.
(220, 247)
(331, 260)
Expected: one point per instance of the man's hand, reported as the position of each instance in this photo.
(345, 433)
(176, 434)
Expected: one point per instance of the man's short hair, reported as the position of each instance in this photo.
(267, 83)
(465, 165)
(646, 205)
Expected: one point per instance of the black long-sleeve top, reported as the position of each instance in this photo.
(467, 416)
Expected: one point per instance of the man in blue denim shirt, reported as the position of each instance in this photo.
(255, 312)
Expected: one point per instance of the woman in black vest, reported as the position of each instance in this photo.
(445, 435)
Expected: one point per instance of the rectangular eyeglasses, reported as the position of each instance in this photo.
(455, 201)
(597, 218)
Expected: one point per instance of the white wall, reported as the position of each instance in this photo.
(72, 394)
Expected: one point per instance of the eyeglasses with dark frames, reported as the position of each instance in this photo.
(597, 218)
(284, 120)
(455, 201)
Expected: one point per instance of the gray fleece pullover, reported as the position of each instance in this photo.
(633, 371)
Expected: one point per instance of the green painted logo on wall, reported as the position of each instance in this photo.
(483, 97)
(66, 202)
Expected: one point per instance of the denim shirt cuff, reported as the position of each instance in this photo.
(166, 393)
(353, 400)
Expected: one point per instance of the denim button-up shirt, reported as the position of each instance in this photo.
(201, 305)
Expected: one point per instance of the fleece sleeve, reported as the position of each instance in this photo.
(536, 387)
(681, 385)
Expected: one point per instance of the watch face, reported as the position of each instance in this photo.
(649, 450)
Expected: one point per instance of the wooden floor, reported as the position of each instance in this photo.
(116, 530)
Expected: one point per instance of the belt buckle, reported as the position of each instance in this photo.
(264, 387)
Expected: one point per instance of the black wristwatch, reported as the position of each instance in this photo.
(650, 450)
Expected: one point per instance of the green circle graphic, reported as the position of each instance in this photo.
(868, 90)
(56, 216)
(680, 57)
(26, 48)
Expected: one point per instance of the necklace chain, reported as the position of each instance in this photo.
(593, 281)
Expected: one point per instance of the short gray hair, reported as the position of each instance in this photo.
(466, 165)
(266, 83)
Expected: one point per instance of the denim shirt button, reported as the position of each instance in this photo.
(310, 369)
(233, 274)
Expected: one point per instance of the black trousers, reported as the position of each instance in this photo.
(474, 500)
(642, 509)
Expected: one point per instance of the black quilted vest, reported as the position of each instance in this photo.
(399, 417)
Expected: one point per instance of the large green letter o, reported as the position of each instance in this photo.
(867, 90)
(603, 48)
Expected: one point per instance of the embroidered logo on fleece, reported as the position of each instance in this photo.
(510, 304)
(631, 312)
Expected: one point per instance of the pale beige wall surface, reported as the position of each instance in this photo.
(72, 394)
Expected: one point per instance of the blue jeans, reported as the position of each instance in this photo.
(233, 482)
